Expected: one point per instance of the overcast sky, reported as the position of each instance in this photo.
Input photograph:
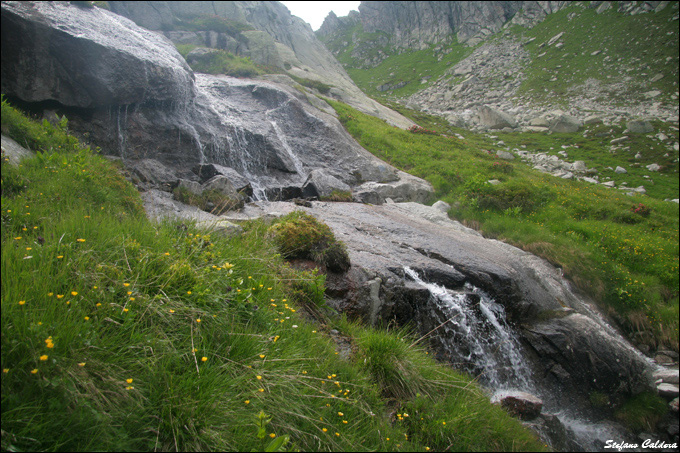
(315, 12)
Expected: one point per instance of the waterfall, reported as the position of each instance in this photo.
(477, 334)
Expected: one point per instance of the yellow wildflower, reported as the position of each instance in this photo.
(204, 359)
(43, 357)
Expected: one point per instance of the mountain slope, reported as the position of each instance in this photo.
(581, 58)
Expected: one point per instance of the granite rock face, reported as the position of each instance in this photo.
(415, 23)
(87, 57)
(278, 39)
(128, 91)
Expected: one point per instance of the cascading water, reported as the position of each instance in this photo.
(475, 336)
(476, 333)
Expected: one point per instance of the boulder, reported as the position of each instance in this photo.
(579, 166)
(208, 171)
(653, 167)
(639, 127)
(668, 391)
(593, 361)
(407, 188)
(521, 404)
(539, 122)
(442, 206)
(592, 119)
(620, 170)
(221, 184)
(666, 375)
(320, 184)
(505, 155)
(152, 174)
(13, 150)
(88, 57)
(565, 123)
(495, 119)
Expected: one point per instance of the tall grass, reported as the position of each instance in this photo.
(121, 334)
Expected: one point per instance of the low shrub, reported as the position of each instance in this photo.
(338, 195)
(300, 235)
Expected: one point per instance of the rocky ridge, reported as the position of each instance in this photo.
(490, 77)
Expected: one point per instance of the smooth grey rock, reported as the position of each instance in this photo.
(14, 152)
(616, 141)
(320, 183)
(88, 57)
(565, 123)
(668, 391)
(522, 404)
(442, 206)
(653, 167)
(620, 170)
(505, 155)
(639, 127)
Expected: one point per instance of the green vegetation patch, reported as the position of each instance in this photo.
(618, 52)
(223, 62)
(300, 235)
(627, 261)
(120, 334)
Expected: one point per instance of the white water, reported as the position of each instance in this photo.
(481, 338)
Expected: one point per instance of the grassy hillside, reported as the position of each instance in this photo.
(621, 250)
(120, 334)
(616, 54)
(620, 52)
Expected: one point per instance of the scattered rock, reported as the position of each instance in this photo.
(320, 183)
(666, 375)
(668, 391)
(494, 119)
(14, 151)
(639, 127)
(620, 170)
(505, 155)
(616, 141)
(653, 167)
(442, 206)
(565, 123)
(593, 119)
